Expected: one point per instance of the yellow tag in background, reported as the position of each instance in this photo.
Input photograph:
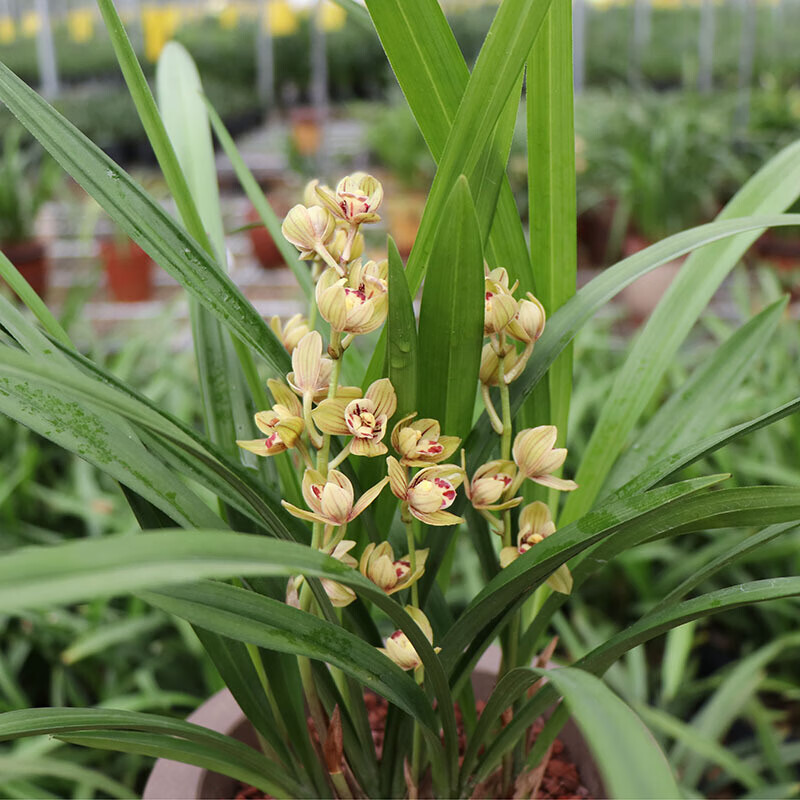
(281, 17)
(80, 24)
(8, 30)
(30, 23)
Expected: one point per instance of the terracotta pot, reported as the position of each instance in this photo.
(404, 213)
(264, 247)
(306, 130)
(221, 713)
(644, 294)
(129, 271)
(30, 258)
(782, 251)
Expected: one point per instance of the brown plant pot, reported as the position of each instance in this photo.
(264, 247)
(782, 251)
(172, 780)
(306, 130)
(643, 295)
(129, 271)
(30, 258)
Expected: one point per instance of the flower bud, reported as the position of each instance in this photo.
(379, 565)
(420, 444)
(308, 229)
(489, 483)
(398, 647)
(528, 324)
(292, 332)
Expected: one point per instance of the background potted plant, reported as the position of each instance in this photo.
(292, 620)
(27, 181)
(128, 268)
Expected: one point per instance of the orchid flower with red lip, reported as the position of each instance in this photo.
(331, 499)
(282, 425)
(365, 419)
(356, 199)
(489, 483)
(357, 303)
(398, 647)
(537, 458)
(429, 492)
(535, 525)
(379, 565)
(420, 444)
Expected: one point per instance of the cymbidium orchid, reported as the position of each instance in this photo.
(339, 594)
(337, 246)
(419, 443)
(537, 458)
(379, 565)
(311, 371)
(356, 199)
(310, 230)
(355, 304)
(291, 332)
(398, 647)
(489, 483)
(500, 307)
(282, 425)
(429, 492)
(365, 419)
(535, 525)
(331, 499)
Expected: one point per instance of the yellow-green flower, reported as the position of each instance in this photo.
(420, 444)
(429, 492)
(398, 647)
(356, 199)
(489, 373)
(499, 303)
(331, 499)
(489, 483)
(537, 458)
(339, 594)
(535, 525)
(365, 419)
(292, 332)
(379, 565)
(282, 425)
(311, 370)
(528, 323)
(309, 229)
(357, 303)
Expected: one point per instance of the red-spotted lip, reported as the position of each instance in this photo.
(397, 635)
(402, 568)
(448, 491)
(271, 440)
(431, 448)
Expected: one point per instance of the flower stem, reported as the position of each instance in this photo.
(343, 453)
(322, 455)
(412, 560)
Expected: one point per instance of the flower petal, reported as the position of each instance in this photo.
(328, 416)
(367, 498)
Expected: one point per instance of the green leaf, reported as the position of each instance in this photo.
(693, 409)
(728, 557)
(104, 442)
(630, 761)
(700, 743)
(401, 338)
(433, 74)
(11, 275)
(252, 618)
(142, 218)
(167, 738)
(650, 626)
(260, 203)
(451, 318)
(771, 190)
(677, 647)
(670, 465)
(552, 198)
(510, 587)
(565, 323)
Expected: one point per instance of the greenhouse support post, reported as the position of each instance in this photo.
(46, 52)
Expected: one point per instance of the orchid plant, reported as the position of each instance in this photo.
(305, 578)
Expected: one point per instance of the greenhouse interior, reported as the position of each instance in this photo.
(322, 322)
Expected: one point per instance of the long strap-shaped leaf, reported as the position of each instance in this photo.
(600, 659)
(141, 218)
(690, 412)
(39, 577)
(771, 190)
(229, 753)
(566, 322)
(431, 70)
